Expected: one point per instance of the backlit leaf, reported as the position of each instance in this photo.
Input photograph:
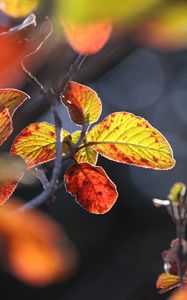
(82, 102)
(11, 171)
(12, 99)
(36, 143)
(126, 138)
(91, 186)
(18, 8)
(88, 38)
(33, 247)
(5, 124)
(87, 154)
(166, 282)
(12, 50)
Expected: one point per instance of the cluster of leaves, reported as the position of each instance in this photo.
(121, 137)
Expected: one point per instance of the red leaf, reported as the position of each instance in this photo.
(12, 168)
(91, 186)
(5, 124)
(89, 38)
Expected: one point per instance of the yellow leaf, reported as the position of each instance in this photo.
(82, 102)
(18, 8)
(115, 10)
(176, 191)
(126, 138)
(87, 154)
(36, 143)
(12, 99)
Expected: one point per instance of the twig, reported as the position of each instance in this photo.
(52, 99)
(42, 177)
(74, 68)
(52, 186)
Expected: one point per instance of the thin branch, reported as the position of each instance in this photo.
(52, 99)
(52, 186)
(74, 68)
(40, 174)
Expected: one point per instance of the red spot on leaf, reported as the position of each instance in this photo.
(52, 134)
(37, 127)
(144, 160)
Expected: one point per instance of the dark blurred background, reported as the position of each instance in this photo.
(120, 252)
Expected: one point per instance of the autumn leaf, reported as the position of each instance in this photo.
(167, 30)
(12, 99)
(87, 38)
(87, 154)
(126, 138)
(18, 8)
(82, 103)
(36, 143)
(91, 186)
(5, 124)
(11, 172)
(33, 247)
(166, 282)
(180, 294)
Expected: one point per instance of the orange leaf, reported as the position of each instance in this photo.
(166, 282)
(82, 103)
(35, 249)
(88, 38)
(126, 138)
(87, 154)
(180, 294)
(5, 124)
(91, 186)
(36, 143)
(18, 8)
(12, 99)
(12, 168)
